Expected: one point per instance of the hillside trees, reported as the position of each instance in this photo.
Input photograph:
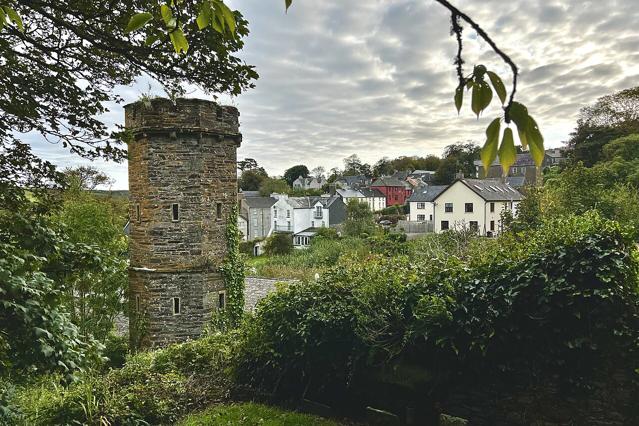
(294, 172)
(609, 118)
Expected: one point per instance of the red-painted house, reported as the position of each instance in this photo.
(395, 190)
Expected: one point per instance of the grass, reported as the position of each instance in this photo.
(248, 414)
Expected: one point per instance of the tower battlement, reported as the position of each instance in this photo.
(182, 187)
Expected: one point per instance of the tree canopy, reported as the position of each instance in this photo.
(294, 172)
(59, 68)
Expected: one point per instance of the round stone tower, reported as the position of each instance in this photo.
(182, 187)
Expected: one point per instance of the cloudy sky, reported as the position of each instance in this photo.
(376, 78)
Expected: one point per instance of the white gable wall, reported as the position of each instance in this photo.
(428, 211)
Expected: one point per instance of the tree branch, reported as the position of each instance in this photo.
(456, 13)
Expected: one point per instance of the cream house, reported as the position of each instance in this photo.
(475, 204)
(421, 204)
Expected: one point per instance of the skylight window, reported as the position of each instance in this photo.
(478, 187)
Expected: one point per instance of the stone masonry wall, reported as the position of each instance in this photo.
(257, 288)
(184, 154)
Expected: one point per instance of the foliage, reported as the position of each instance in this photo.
(152, 388)
(294, 172)
(386, 166)
(278, 244)
(392, 210)
(610, 117)
(233, 274)
(325, 251)
(271, 185)
(359, 219)
(59, 73)
(326, 233)
(250, 413)
(94, 297)
(36, 332)
(555, 301)
(458, 157)
(353, 166)
(252, 179)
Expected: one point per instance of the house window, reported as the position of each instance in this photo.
(288, 214)
(421, 206)
(312, 224)
(221, 300)
(492, 225)
(421, 217)
(468, 207)
(474, 226)
(448, 208)
(431, 218)
(175, 212)
(318, 212)
(218, 211)
(288, 225)
(138, 214)
(274, 211)
(176, 306)
(444, 225)
(492, 207)
(396, 197)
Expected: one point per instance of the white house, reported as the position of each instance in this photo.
(474, 204)
(421, 205)
(242, 224)
(309, 182)
(374, 198)
(303, 216)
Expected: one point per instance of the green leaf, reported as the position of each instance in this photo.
(288, 4)
(180, 42)
(13, 15)
(220, 16)
(518, 113)
(500, 89)
(489, 151)
(151, 39)
(479, 72)
(2, 18)
(204, 17)
(228, 17)
(535, 141)
(167, 14)
(137, 21)
(216, 25)
(459, 97)
(507, 151)
(482, 95)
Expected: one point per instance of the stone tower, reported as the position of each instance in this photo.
(183, 185)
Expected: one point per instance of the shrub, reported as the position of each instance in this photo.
(152, 388)
(555, 301)
(278, 244)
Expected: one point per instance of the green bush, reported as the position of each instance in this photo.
(115, 350)
(152, 388)
(558, 300)
(246, 247)
(278, 244)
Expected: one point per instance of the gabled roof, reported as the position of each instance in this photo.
(489, 189)
(427, 194)
(353, 180)
(388, 181)
(516, 181)
(350, 193)
(372, 192)
(260, 202)
(310, 202)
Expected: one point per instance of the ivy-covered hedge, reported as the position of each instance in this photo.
(557, 302)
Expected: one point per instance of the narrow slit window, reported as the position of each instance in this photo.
(138, 214)
(137, 303)
(218, 211)
(221, 300)
(177, 308)
(175, 212)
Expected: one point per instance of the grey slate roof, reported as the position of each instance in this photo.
(248, 194)
(388, 181)
(490, 189)
(372, 192)
(516, 181)
(260, 202)
(309, 202)
(427, 194)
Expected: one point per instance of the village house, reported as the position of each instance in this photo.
(375, 199)
(257, 211)
(421, 205)
(396, 191)
(524, 167)
(352, 182)
(303, 216)
(475, 204)
(302, 183)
